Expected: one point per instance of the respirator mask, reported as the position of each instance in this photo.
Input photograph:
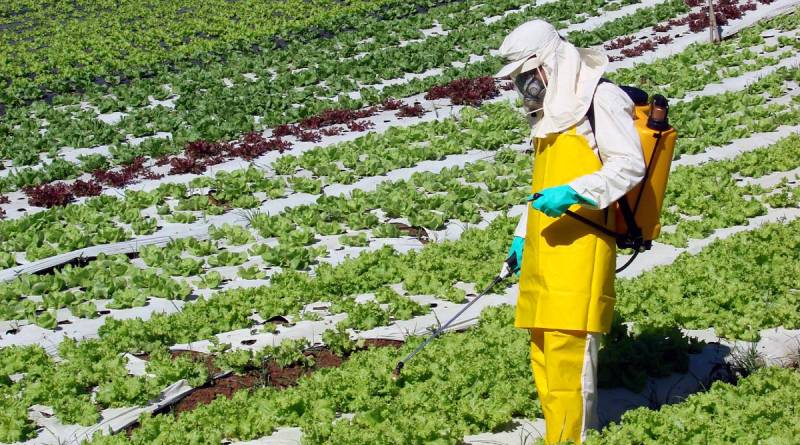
(532, 90)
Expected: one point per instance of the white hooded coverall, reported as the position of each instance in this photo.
(566, 310)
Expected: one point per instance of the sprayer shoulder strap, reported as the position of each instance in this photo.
(634, 231)
(590, 112)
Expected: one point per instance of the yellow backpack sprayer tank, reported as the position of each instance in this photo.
(638, 213)
(658, 144)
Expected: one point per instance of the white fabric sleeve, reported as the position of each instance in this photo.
(522, 225)
(619, 148)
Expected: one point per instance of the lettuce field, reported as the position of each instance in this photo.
(227, 221)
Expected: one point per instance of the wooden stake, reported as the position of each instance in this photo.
(712, 23)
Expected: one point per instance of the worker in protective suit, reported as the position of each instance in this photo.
(566, 290)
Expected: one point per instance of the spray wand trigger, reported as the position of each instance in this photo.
(533, 197)
(509, 266)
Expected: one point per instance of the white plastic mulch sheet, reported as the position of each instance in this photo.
(53, 432)
(23, 333)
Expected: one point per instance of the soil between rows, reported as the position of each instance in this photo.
(270, 375)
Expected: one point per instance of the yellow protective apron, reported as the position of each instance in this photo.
(567, 276)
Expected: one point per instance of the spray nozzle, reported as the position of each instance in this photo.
(396, 372)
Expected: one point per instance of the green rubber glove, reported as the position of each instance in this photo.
(554, 201)
(516, 249)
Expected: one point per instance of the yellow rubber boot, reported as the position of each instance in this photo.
(564, 366)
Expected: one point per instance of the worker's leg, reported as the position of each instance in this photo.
(570, 402)
(537, 362)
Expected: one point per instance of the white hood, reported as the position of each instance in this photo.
(572, 73)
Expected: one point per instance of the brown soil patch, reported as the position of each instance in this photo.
(224, 386)
(206, 359)
(271, 375)
(417, 232)
(285, 377)
(380, 343)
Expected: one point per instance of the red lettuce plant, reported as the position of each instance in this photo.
(663, 40)
(678, 22)
(336, 117)
(285, 130)
(254, 145)
(619, 43)
(360, 125)
(415, 110)
(647, 45)
(331, 131)
(49, 195)
(125, 176)
(309, 136)
(391, 104)
(202, 149)
(186, 165)
(86, 188)
(466, 91)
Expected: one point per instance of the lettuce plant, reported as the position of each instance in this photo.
(357, 240)
(251, 273)
(211, 280)
(227, 258)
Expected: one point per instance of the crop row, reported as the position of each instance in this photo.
(761, 299)
(210, 110)
(691, 188)
(665, 32)
(420, 198)
(269, 65)
(444, 138)
(393, 416)
(739, 286)
(288, 291)
(114, 388)
(427, 199)
(450, 373)
(37, 297)
(67, 228)
(761, 408)
(106, 42)
(344, 162)
(53, 291)
(703, 64)
(763, 106)
(722, 55)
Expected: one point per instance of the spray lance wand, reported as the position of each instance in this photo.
(509, 266)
